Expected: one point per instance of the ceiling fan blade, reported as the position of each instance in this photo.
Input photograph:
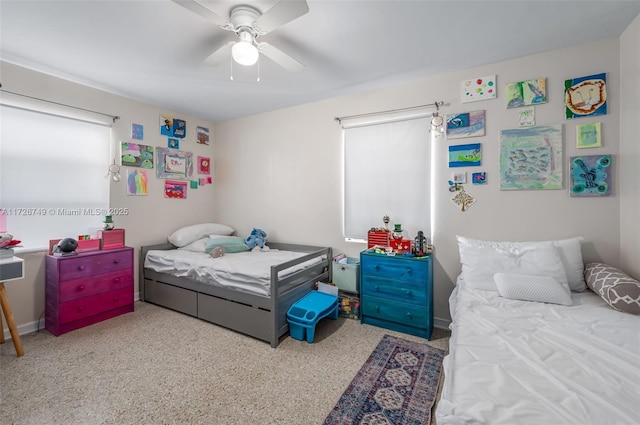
(280, 57)
(221, 55)
(199, 9)
(282, 12)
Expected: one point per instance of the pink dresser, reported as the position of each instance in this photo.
(87, 288)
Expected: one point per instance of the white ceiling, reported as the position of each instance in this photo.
(152, 50)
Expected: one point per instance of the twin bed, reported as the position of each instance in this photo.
(249, 291)
(516, 360)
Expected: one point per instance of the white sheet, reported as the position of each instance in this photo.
(518, 362)
(248, 271)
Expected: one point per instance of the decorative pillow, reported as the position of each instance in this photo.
(196, 246)
(570, 251)
(480, 263)
(185, 235)
(543, 289)
(619, 290)
(230, 244)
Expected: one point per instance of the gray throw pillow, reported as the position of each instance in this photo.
(619, 290)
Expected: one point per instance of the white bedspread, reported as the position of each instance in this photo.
(517, 362)
(248, 271)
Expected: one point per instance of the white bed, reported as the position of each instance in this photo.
(523, 362)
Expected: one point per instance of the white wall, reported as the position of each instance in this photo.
(630, 149)
(151, 218)
(282, 170)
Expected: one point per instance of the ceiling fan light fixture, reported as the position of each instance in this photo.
(243, 51)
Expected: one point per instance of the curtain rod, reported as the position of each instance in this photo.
(436, 105)
(113, 117)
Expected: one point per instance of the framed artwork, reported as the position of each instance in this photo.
(465, 155)
(463, 199)
(137, 155)
(459, 177)
(525, 93)
(590, 175)
(588, 135)
(204, 165)
(173, 143)
(174, 164)
(478, 89)
(137, 182)
(193, 184)
(479, 178)
(531, 158)
(137, 131)
(202, 135)
(466, 124)
(527, 117)
(175, 189)
(172, 127)
(585, 96)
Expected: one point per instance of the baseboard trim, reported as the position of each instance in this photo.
(441, 323)
(31, 327)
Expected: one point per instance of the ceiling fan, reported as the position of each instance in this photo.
(248, 23)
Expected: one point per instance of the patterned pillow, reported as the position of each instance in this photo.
(619, 290)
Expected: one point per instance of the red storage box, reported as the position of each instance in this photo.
(112, 239)
(401, 244)
(380, 238)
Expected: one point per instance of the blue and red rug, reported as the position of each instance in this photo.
(397, 385)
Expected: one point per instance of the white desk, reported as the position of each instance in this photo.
(10, 269)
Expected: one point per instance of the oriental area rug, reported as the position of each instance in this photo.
(397, 385)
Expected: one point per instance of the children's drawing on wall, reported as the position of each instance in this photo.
(137, 182)
(172, 127)
(531, 158)
(204, 165)
(467, 124)
(527, 117)
(202, 135)
(590, 175)
(589, 135)
(174, 164)
(459, 177)
(586, 96)
(462, 199)
(478, 89)
(175, 189)
(137, 155)
(173, 143)
(137, 131)
(193, 184)
(479, 178)
(465, 155)
(524, 93)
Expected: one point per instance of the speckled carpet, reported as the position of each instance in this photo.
(157, 366)
(397, 385)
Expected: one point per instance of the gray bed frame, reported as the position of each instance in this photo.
(261, 317)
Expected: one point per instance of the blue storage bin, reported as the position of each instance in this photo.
(304, 314)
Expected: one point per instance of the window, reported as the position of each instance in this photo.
(52, 169)
(387, 171)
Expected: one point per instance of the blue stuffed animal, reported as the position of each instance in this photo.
(256, 238)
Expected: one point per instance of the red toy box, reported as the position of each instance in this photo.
(380, 238)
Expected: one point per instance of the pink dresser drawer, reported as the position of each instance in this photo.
(89, 306)
(81, 266)
(84, 287)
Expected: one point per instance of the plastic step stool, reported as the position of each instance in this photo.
(304, 314)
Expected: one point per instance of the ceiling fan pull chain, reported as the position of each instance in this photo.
(258, 79)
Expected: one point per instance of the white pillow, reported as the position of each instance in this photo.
(199, 245)
(570, 251)
(185, 235)
(480, 263)
(543, 289)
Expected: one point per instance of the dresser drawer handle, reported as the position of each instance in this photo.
(377, 288)
(115, 298)
(116, 261)
(410, 316)
(80, 309)
(408, 292)
(377, 267)
(81, 268)
(408, 271)
(116, 279)
(80, 288)
(377, 308)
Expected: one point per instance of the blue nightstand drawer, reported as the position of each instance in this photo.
(394, 311)
(396, 268)
(403, 291)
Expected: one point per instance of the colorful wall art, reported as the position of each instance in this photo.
(589, 135)
(173, 143)
(463, 199)
(524, 93)
(137, 131)
(466, 124)
(590, 175)
(465, 155)
(586, 96)
(137, 155)
(478, 89)
(202, 135)
(531, 158)
(479, 178)
(174, 164)
(204, 165)
(527, 117)
(172, 127)
(175, 189)
(137, 182)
